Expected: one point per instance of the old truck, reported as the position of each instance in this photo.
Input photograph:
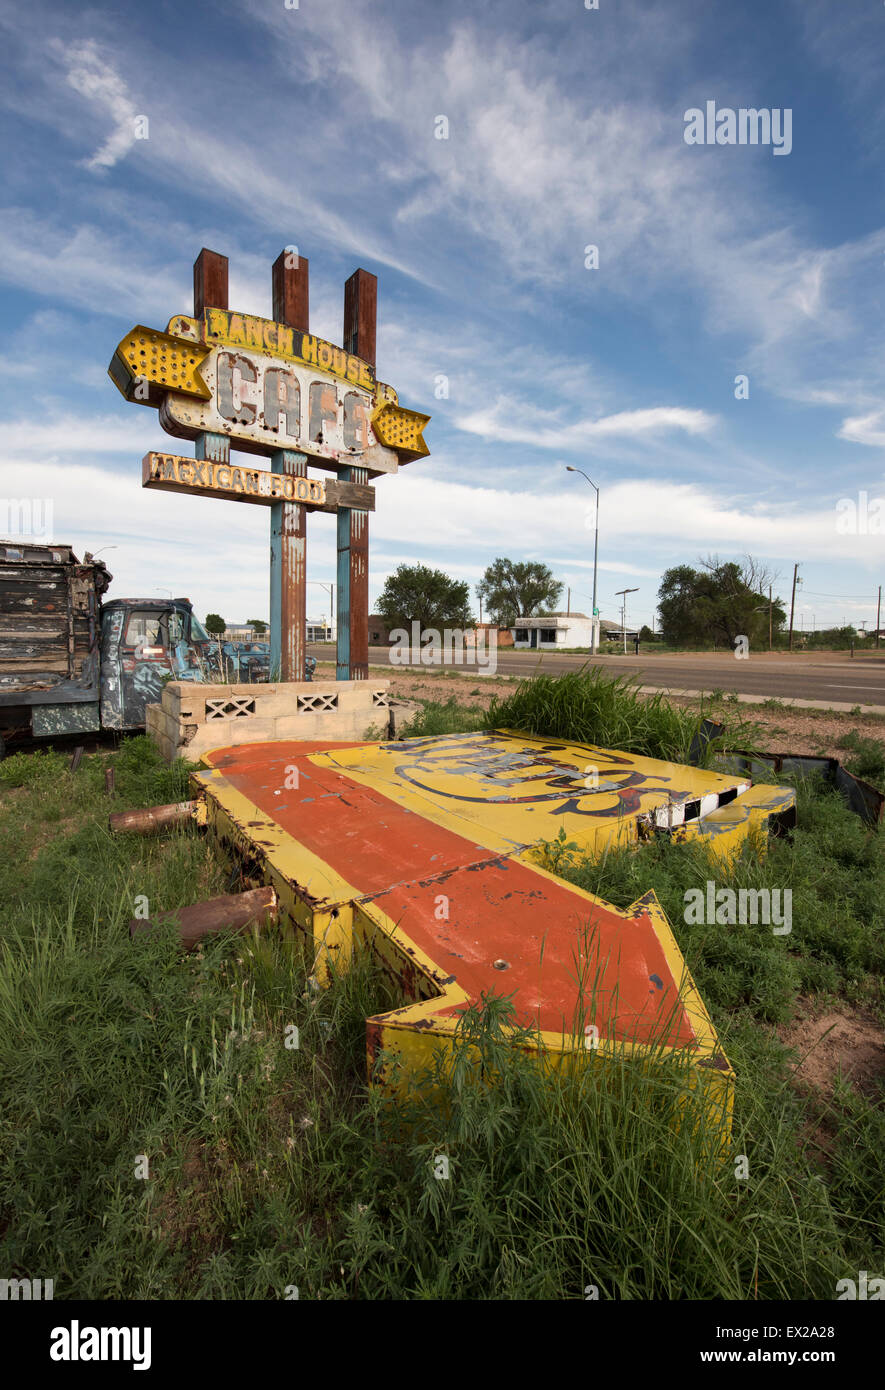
(72, 663)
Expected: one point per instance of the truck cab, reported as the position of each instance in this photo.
(71, 663)
(145, 642)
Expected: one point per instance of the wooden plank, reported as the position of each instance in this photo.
(20, 649)
(25, 599)
(29, 624)
(43, 575)
(16, 672)
(357, 495)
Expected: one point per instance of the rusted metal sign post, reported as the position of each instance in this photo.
(270, 387)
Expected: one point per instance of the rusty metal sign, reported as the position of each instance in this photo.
(431, 853)
(228, 380)
(265, 387)
(232, 483)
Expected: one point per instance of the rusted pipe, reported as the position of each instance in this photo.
(232, 912)
(152, 818)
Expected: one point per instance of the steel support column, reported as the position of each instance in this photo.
(360, 321)
(288, 520)
(288, 577)
(353, 587)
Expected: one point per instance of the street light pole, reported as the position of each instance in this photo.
(624, 593)
(324, 584)
(594, 630)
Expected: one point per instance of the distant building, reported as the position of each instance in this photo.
(504, 634)
(380, 633)
(318, 630)
(551, 630)
(615, 633)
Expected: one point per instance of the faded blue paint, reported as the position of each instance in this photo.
(284, 461)
(213, 448)
(342, 672)
(49, 720)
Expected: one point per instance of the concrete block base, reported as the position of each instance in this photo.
(192, 718)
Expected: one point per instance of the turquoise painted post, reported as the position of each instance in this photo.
(342, 668)
(288, 576)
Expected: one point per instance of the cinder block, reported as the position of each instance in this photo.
(247, 730)
(332, 725)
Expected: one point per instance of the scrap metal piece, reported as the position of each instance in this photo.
(864, 800)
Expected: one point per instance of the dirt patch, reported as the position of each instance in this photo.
(837, 1043)
(467, 688)
(789, 730)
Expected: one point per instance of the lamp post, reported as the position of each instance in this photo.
(594, 629)
(624, 593)
(324, 584)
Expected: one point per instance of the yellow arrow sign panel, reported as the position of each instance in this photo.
(148, 363)
(401, 429)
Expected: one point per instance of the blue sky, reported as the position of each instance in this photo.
(269, 126)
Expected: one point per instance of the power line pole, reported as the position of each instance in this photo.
(769, 617)
(878, 614)
(793, 603)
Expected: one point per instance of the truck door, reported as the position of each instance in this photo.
(144, 663)
(112, 621)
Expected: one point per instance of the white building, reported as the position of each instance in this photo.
(551, 630)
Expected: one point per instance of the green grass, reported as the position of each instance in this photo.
(590, 706)
(866, 758)
(449, 717)
(272, 1167)
(587, 706)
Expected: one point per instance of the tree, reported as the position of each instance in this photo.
(214, 624)
(514, 589)
(258, 625)
(717, 603)
(646, 634)
(414, 593)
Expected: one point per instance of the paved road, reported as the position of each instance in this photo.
(826, 678)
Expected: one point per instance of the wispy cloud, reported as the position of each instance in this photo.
(865, 429)
(513, 422)
(94, 77)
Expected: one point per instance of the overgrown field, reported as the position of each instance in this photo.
(271, 1168)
